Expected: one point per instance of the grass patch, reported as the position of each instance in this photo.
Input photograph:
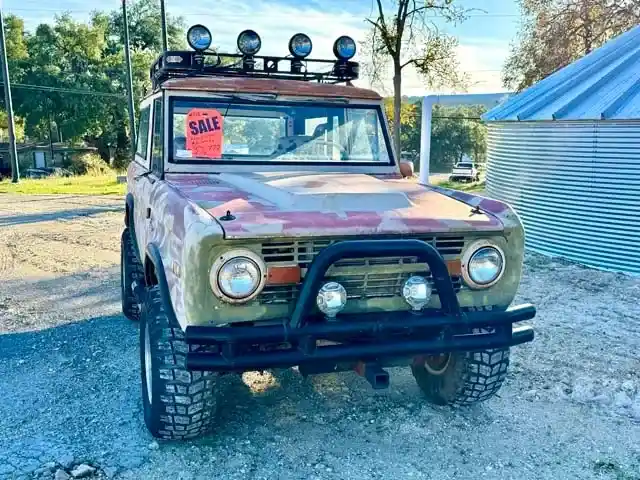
(472, 187)
(78, 185)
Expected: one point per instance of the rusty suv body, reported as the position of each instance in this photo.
(285, 216)
(269, 225)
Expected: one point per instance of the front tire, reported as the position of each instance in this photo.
(178, 403)
(130, 270)
(462, 379)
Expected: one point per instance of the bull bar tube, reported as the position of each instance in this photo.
(366, 336)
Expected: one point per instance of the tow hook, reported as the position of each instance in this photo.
(374, 374)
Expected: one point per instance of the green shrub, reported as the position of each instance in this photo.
(88, 164)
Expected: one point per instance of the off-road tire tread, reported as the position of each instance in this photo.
(475, 377)
(133, 272)
(188, 399)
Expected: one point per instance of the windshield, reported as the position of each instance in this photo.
(275, 131)
(464, 165)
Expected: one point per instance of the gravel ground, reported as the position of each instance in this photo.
(69, 379)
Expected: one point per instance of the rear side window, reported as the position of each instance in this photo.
(158, 138)
(143, 134)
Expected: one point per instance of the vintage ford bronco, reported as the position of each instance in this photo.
(268, 225)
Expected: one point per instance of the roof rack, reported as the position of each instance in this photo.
(180, 64)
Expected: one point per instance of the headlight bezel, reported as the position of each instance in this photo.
(468, 255)
(222, 260)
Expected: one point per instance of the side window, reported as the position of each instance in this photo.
(157, 145)
(143, 134)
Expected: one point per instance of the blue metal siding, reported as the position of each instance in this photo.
(575, 185)
(605, 84)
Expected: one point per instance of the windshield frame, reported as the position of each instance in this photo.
(270, 99)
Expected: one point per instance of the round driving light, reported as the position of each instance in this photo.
(417, 292)
(344, 48)
(239, 277)
(249, 42)
(331, 299)
(199, 37)
(300, 45)
(485, 265)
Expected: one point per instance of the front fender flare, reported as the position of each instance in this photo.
(153, 256)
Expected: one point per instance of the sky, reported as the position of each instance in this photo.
(484, 38)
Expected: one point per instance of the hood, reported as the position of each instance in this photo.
(267, 205)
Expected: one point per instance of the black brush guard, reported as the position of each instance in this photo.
(365, 337)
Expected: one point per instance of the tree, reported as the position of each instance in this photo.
(408, 37)
(455, 132)
(555, 33)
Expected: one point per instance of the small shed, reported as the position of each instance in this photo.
(565, 153)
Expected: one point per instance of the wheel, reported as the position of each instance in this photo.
(462, 378)
(177, 403)
(130, 270)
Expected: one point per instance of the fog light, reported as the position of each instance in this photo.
(331, 299)
(416, 292)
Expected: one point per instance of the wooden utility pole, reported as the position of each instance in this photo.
(127, 56)
(13, 152)
(163, 19)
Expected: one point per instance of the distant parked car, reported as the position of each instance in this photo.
(464, 171)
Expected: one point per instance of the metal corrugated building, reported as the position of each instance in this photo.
(565, 153)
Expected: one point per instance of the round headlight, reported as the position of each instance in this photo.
(416, 292)
(300, 45)
(483, 266)
(344, 48)
(199, 37)
(249, 42)
(331, 299)
(237, 276)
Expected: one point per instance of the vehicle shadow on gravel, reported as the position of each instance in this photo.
(9, 220)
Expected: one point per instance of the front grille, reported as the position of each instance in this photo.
(362, 278)
(302, 252)
(371, 285)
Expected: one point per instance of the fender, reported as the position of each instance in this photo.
(153, 254)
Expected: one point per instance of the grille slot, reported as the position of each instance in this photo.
(303, 252)
(358, 287)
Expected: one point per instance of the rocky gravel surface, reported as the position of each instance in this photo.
(70, 395)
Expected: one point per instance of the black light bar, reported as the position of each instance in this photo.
(181, 64)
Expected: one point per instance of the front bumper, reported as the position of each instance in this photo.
(299, 340)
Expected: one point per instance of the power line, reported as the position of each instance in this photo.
(45, 88)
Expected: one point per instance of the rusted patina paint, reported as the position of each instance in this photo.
(303, 204)
(269, 86)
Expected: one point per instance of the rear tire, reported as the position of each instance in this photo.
(130, 270)
(178, 403)
(465, 378)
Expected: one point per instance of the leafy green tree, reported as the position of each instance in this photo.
(407, 36)
(554, 33)
(456, 131)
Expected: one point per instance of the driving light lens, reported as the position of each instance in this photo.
(300, 45)
(239, 277)
(416, 292)
(331, 299)
(485, 265)
(199, 37)
(344, 48)
(249, 42)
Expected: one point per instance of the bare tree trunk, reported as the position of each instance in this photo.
(397, 104)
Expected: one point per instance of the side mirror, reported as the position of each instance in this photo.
(406, 169)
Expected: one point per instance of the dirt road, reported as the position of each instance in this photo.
(69, 381)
